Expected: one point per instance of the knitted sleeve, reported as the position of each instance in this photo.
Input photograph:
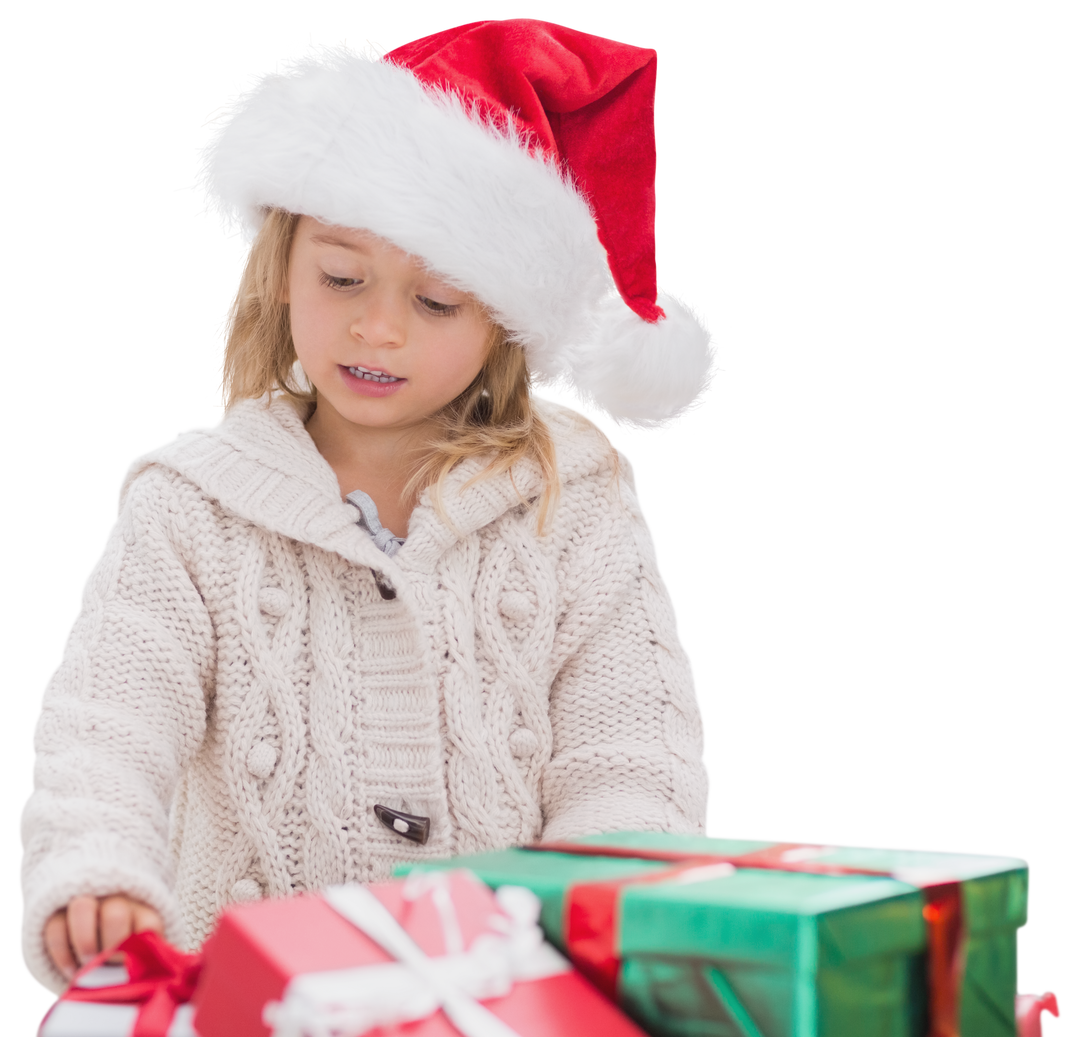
(121, 717)
(626, 730)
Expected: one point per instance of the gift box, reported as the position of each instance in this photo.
(431, 956)
(701, 937)
(145, 996)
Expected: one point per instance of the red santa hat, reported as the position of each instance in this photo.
(517, 159)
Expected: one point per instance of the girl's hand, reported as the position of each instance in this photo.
(88, 925)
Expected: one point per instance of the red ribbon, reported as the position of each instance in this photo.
(592, 937)
(159, 979)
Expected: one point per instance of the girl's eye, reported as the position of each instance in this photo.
(439, 309)
(436, 309)
(340, 282)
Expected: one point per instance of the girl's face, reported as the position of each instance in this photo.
(386, 343)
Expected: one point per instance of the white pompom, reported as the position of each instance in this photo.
(647, 379)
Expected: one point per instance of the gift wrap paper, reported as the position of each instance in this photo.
(756, 952)
(145, 996)
(258, 948)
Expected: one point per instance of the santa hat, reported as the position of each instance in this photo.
(517, 159)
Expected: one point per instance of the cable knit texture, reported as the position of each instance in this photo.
(237, 694)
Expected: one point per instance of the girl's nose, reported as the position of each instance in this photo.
(380, 317)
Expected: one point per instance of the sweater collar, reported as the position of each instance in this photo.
(261, 464)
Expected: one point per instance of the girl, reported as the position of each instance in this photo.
(393, 608)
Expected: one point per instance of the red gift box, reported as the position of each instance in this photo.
(300, 966)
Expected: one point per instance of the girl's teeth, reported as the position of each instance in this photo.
(372, 376)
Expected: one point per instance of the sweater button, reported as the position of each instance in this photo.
(262, 759)
(273, 601)
(410, 826)
(386, 589)
(523, 742)
(246, 889)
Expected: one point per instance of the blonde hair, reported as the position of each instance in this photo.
(494, 417)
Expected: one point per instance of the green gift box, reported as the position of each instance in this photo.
(703, 937)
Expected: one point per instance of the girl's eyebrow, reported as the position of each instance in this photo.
(321, 239)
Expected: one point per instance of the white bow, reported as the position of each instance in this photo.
(350, 1002)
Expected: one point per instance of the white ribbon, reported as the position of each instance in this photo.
(350, 1002)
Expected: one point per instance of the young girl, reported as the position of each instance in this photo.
(392, 608)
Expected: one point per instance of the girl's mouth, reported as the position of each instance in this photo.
(372, 375)
(366, 381)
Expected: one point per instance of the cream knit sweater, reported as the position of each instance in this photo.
(237, 694)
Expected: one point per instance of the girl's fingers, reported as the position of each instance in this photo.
(146, 918)
(117, 918)
(57, 945)
(82, 924)
(73, 936)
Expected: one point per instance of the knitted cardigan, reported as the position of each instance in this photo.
(238, 692)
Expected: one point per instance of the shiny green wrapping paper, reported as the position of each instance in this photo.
(770, 953)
